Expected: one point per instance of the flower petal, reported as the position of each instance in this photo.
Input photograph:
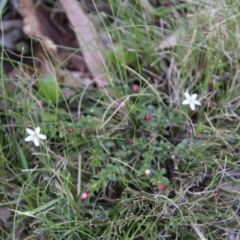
(28, 139)
(196, 102)
(192, 106)
(187, 96)
(36, 141)
(41, 136)
(37, 130)
(29, 131)
(194, 96)
(185, 102)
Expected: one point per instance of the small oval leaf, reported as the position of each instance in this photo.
(48, 87)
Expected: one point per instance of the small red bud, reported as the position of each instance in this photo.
(161, 187)
(87, 191)
(70, 130)
(135, 88)
(148, 117)
(130, 141)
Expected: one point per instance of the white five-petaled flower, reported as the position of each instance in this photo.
(191, 100)
(35, 136)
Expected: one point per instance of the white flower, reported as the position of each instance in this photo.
(34, 136)
(148, 171)
(191, 100)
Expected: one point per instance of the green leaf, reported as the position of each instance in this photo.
(48, 87)
(121, 55)
(23, 160)
(42, 208)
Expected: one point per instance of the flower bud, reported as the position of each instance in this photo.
(161, 187)
(148, 117)
(135, 88)
(84, 196)
(130, 141)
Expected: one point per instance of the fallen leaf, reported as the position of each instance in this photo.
(31, 25)
(87, 39)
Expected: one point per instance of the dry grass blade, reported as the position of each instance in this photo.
(79, 174)
(169, 42)
(87, 40)
(199, 233)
